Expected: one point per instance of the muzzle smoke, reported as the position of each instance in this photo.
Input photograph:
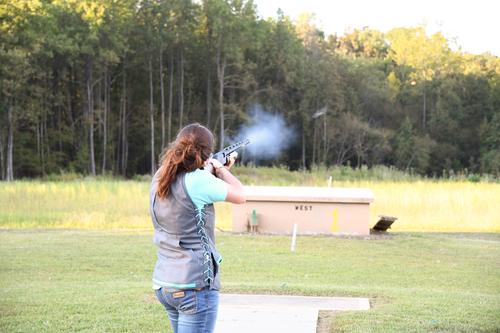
(269, 135)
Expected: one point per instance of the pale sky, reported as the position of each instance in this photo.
(474, 25)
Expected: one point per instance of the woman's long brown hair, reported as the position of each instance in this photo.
(188, 152)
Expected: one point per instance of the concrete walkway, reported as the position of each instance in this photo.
(272, 313)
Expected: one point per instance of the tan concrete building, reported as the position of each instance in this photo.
(316, 210)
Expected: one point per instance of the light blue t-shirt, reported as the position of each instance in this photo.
(204, 188)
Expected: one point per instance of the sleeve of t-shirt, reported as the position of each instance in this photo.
(204, 188)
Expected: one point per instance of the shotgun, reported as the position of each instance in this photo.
(223, 155)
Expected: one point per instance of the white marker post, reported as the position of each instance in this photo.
(294, 237)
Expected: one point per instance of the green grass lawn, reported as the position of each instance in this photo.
(99, 281)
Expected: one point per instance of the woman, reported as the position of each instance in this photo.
(188, 182)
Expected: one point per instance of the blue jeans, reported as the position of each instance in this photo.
(190, 311)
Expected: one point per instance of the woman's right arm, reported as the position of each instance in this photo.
(235, 191)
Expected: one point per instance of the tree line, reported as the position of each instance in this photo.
(102, 86)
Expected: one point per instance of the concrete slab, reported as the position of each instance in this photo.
(273, 313)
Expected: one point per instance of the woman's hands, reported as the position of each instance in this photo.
(232, 158)
(212, 164)
(216, 165)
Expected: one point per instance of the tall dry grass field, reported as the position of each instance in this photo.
(77, 204)
(438, 206)
(105, 204)
(426, 205)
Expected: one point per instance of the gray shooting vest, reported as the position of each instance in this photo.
(187, 257)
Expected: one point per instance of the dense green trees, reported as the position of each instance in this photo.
(101, 86)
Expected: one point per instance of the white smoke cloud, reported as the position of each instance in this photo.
(269, 135)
